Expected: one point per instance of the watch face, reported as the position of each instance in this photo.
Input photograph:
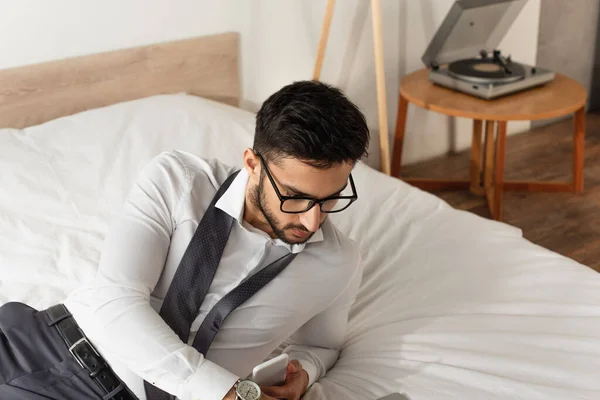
(248, 390)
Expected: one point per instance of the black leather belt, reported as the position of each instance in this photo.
(85, 354)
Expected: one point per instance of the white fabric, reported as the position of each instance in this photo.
(451, 305)
(118, 309)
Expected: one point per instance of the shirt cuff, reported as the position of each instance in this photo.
(210, 382)
(308, 366)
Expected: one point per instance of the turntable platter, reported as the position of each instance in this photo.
(481, 71)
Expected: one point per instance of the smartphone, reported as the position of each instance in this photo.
(395, 396)
(271, 372)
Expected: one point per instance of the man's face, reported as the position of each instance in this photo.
(293, 177)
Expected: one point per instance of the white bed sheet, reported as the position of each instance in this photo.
(451, 305)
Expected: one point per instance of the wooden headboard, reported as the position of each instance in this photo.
(205, 66)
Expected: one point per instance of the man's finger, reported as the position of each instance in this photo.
(294, 366)
(275, 391)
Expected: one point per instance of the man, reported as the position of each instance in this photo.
(209, 270)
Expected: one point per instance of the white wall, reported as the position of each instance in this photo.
(279, 41)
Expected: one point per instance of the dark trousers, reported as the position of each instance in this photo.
(35, 362)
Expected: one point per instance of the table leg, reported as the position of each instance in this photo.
(494, 166)
(499, 171)
(578, 150)
(399, 136)
(476, 157)
(490, 127)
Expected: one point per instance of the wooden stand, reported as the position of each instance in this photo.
(560, 97)
(384, 145)
(323, 40)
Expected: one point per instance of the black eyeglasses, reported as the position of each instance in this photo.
(300, 204)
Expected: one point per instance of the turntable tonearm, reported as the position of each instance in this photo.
(462, 54)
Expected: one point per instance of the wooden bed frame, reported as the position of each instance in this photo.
(206, 66)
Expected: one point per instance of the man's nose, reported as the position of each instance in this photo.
(310, 219)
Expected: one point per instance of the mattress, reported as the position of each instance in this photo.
(451, 305)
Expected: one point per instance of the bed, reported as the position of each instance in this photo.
(451, 305)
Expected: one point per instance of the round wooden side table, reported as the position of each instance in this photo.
(560, 97)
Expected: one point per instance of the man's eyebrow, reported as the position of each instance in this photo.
(297, 192)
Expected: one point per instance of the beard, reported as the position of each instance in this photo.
(259, 201)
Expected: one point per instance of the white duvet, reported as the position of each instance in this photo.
(451, 305)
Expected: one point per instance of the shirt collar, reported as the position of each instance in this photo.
(232, 202)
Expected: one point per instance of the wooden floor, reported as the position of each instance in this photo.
(564, 222)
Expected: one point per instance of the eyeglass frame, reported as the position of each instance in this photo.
(313, 201)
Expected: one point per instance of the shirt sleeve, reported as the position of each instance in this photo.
(318, 342)
(131, 264)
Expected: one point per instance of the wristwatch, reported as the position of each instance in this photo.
(245, 389)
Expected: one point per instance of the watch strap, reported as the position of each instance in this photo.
(237, 397)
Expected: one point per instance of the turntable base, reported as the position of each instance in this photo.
(478, 79)
(562, 96)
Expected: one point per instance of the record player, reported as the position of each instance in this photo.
(463, 53)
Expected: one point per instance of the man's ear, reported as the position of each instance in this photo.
(252, 164)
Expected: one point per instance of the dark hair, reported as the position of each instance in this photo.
(313, 122)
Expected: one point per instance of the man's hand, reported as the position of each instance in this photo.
(296, 382)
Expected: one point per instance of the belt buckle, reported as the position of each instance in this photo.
(78, 359)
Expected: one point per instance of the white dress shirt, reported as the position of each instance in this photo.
(307, 303)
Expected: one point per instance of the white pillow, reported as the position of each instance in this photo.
(63, 181)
